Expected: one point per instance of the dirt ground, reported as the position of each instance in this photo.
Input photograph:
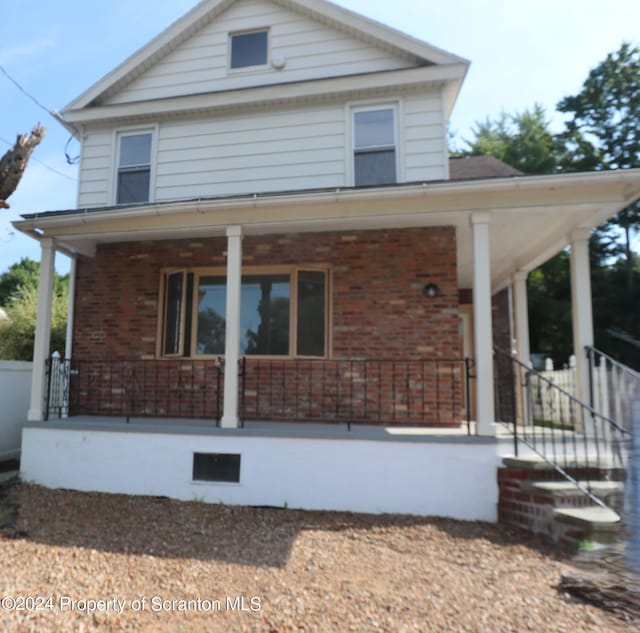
(86, 562)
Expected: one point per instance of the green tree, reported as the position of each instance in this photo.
(615, 305)
(549, 291)
(522, 140)
(603, 132)
(24, 273)
(19, 298)
(18, 330)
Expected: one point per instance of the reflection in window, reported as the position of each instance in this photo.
(134, 168)
(212, 306)
(311, 311)
(264, 320)
(374, 159)
(249, 49)
(173, 302)
(268, 319)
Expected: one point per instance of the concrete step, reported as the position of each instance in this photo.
(591, 517)
(599, 488)
(565, 494)
(593, 523)
(610, 492)
(533, 462)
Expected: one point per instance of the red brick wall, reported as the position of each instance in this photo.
(502, 335)
(378, 307)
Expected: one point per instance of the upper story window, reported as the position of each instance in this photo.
(374, 146)
(249, 49)
(134, 168)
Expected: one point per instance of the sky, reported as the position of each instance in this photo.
(521, 52)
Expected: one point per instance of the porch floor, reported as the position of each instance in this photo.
(304, 430)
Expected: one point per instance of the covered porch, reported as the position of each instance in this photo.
(411, 362)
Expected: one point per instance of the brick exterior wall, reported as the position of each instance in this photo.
(378, 311)
(532, 509)
(500, 315)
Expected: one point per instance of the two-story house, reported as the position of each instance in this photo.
(269, 228)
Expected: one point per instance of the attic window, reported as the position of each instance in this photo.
(249, 49)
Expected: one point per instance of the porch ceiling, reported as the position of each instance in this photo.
(532, 217)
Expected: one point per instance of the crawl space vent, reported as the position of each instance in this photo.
(216, 467)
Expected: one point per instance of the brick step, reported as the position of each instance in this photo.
(538, 498)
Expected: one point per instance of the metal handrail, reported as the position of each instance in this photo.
(567, 441)
(616, 363)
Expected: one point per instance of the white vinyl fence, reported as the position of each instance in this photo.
(15, 385)
(549, 404)
(614, 389)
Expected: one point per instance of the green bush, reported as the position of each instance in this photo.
(17, 332)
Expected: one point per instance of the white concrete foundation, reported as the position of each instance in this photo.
(453, 477)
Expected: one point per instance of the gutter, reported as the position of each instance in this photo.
(425, 189)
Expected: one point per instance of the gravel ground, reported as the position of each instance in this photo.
(163, 566)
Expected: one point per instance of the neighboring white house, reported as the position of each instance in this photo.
(269, 181)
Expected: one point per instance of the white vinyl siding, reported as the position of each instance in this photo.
(424, 138)
(311, 51)
(306, 147)
(249, 153)
(96, 167)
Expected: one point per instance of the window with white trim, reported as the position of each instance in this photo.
(249, 49)
(133, 179)
(283, 312)
(374, 146)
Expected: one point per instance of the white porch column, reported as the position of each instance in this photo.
(485, 412)
(43, 329)
(232, 330)
(581, 308)
(521, 309)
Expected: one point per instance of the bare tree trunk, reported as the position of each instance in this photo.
(14, 162)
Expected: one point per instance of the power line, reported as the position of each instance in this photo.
(52, 169)
(27, 94)
(16, 83)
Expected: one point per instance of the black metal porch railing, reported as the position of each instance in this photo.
(366, 391)
(180, 388)
(433, 392)
(554, 424)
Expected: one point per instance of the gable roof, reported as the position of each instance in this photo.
(207, 10)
